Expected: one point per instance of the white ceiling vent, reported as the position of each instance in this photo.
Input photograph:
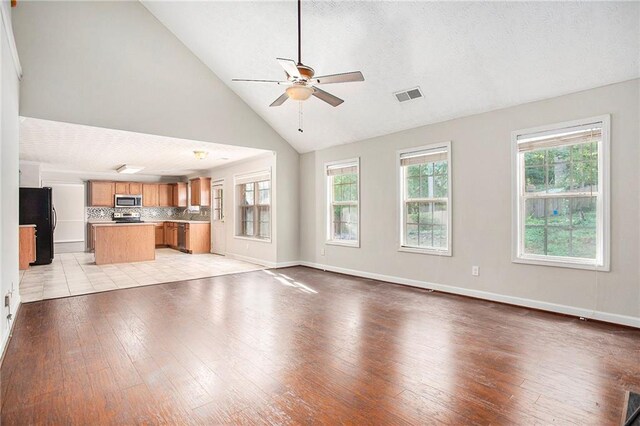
(408, 95)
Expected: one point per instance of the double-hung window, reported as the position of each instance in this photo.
(343, 207)
(425, 188)
(254, 206)
(561, 189)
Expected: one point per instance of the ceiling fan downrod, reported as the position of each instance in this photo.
(299, 36)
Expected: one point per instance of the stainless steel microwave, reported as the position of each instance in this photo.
(128, 200)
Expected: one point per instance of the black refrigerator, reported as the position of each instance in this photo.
(36, 208)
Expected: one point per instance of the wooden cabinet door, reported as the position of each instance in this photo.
(160, 235)
(101, 194)
(205, 191)
(122, 188)
(199, 238)
(135, 188)
(179, 193)
(150, 195)
(195, 192)
(165, 195)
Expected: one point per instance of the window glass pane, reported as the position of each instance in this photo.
(248, 197)
(413, 187)
(440, 236)
(426, 213)
(425, 236)
(535, 178)
(413, 170)
(440, 168)
(440, 190)
(564, 227)
(412, 235)
(440, 215)
(413, 212)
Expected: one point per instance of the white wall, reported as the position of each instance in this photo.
(112, 64)
(481, 164)
(9, 180)
(264, 252)
(30, 175)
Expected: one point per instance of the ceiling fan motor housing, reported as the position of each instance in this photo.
(305, 71)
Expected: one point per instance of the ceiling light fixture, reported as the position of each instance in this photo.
(129, 170)
(200, 155)
(298, 92)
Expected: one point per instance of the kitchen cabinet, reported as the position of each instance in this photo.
(135, 188)
(198, 237)
(27, 250)
(101, 194)
(122, 188)
(171, 234)
(165, 195)
(150, 195)
(179, 194)
(160, 241)
(200, 191)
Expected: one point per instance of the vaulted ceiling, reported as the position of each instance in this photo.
(466, 57)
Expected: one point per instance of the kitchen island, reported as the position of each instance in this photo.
(123, 242)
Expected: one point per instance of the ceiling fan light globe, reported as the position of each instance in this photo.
(299, 93)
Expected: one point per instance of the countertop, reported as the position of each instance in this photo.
(148, 222)
(27, 226)
(122, 224)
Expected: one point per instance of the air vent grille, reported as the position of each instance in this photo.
(408, 95)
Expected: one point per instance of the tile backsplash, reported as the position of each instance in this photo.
(150, 213)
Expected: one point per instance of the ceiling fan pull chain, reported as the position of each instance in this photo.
(300, 117)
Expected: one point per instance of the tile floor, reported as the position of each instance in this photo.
(71, 274)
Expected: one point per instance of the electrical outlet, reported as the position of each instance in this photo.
(475, 271)
(322, 252)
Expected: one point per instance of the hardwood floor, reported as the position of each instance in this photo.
(298, 345)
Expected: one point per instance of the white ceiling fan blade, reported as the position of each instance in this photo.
(344, 77)
(327, 97)
(259, 81)
(289, 67)
(280, 100)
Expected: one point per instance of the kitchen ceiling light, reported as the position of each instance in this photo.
(129, 170)
(200, 155)
(299, 92)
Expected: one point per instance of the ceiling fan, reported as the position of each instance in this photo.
(302, 81)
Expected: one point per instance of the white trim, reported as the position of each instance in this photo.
(15, 309)
(603, 207)
(328, 201)
(485, 295)
(8, 28)
(400, 200)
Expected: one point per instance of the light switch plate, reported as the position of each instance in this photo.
(475, 271)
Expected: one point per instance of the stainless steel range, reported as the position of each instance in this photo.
(134, 217)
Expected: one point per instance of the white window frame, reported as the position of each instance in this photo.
(401, 201)
(603, 207)
(240, 180)
(329, 203)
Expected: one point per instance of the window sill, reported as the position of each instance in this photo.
(561, 264)
(432, 252)
(260, 240)
(355, 244)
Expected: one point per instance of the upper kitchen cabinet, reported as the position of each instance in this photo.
(200, 191)
(135, 188)
(128, 188)
(101, 194)
(150, 195)
(165, 195)
(179, 194)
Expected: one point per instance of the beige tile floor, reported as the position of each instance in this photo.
(71, 274)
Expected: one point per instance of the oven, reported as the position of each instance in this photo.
(128, 200)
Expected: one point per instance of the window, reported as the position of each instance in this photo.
(425, 188)
(254, 207)
(561, 202)
(343, 213)
(218, 212)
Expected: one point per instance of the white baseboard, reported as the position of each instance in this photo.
(512, 300)
(257, 261)
(5, 339)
